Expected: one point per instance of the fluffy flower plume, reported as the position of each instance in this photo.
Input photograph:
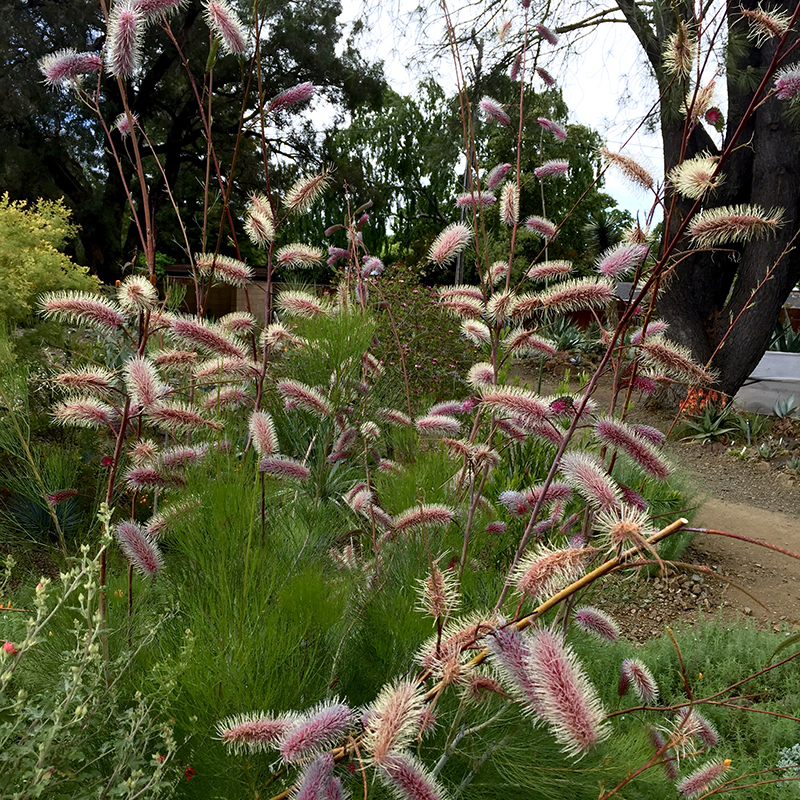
(159, 523)
(91, 380)
(178, 417)
(498, 271)
(509, 203)
(67, 65)
(226, 26)
(83, 307)
(124, 40)
(143, 381)
(136, 294)
(408, 779)
(438, 425)
(395, 417)
(565, 297)
(494, 110)
(176, 457)
(587, 476)
(254, 732)
(316, 732)
(439, 595)
(481, 375)
(152, 9)
(471, 292)
(207, 337)
(175, 358)
(553, 128)
(516, 401)
(282, 467)
(240, 322)
(698, 102)
(673, 360)
(620, 436)
(262, 431)
(499, 308)
(653, 328)
(766, 24)
(463, 307)
(122, 124)
(429, 515)
(696, 176)
(511, 658)
(229, 270)
(543, 572)
(693, 724)
(631, 169)
(291, 97)
(476, 332)
(547, 34)
(299, 394)
(731, 224)
(555, 166)
(596, 622)
(548, 80)
(549, 270)
(393, 720)
(635, 674)
(680, 51)
(541, 226)
(301, 304)
(149, 478)
(703, 779)
(306, 191)
(621, 259)
(224, 368)
(475, 199)
(568, 702)
(787, 83)
(259, 226)
(298, 255)
(520, 342)
(496, 175)
(625, 526)
(449, 243)
(84, 412)
(139, 548)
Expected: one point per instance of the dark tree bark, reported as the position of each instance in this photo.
(719, 303)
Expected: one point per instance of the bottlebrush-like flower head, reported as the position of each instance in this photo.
(555, 166)
(587, 476)
(395, 417)
(226, 26)
(394, 719)
(481, 375)
(299, 394)
(153, 9)
(496, 175)
(143, 382)
(696, 176)
(317, 731)
(476, 332)
(516, 401)
(653, 328)
(262, 431)
(449, 243)
(543, 572)
(498, 309)
(139, 548)
(766, 24)
(229, 270)
(693, 724)
(291, 97)
(630, 168)
(301, 304)
(84, 412)
(407, 779)
(317, 782)
(136, 294)
(541, 226)
(596, 622)
(520, 342)
(475, 199)
(180, 456)
(674, 360)
(548, 80)
(515, 502)
(430, 515)
(85, 308)
(98, 380)
(254, 732)
(553, 128)
(260, 229)
(226, 368)
(147, 477)
(568, 702)
(621, 259)
(282, 467)
(549, 270)
(547, 34)
(680, 51)
(306, 191)
(159, 523)
(297, 255)
(438, 425)
(205, 336)
(178, 417)
(567, 296)
(463, 307)
(704, 779)
(731, 224)
(635, 674)
(620, 436)
(698, 102)
(470, 292)
(624, 526)
(509, 203)
(497, 272)
(124, 39)
(511, 658)
(787, 83)
(67, 65)
(494, 110)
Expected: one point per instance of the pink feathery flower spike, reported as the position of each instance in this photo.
(177, 417)
(67, 65)
(149, 478)
(254, 732)
(621, 259)
(124, 40)
(393, 720)
(541, 226)
(136, 294)
(515, 502)
(153, 9)
(316, 780)
(84, 412)
(297, 94)
(511, 656)
(546, 77)
(227, 269)
(303, 396)
(176, 457)
(449, 243)
(548, 270)
(551, 168)
(620, 436)
(587, 475)
(301, 304)
(317, 731)
(475, 199)
(408, 779)
(262, 429)
(430, 515)
(200, 333)
(703, 779)
(224, 23)
(787, 83)
(547, 34)
(142, 381)
(693, 723)
(636, 675)
(569, 703)
(438, 425)
(282, 467)
(83, 307)
(495, 177)
(596, 622)
(553, 128)
(494, 110)
(139, 548)
(94, 380)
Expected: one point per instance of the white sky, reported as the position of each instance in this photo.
(605, 84)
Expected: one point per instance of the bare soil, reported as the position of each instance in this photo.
(718, 575)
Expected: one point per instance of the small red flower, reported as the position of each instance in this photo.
(9, 648)
(189, 773)
(107, 461)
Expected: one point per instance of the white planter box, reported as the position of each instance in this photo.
(776, 377)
